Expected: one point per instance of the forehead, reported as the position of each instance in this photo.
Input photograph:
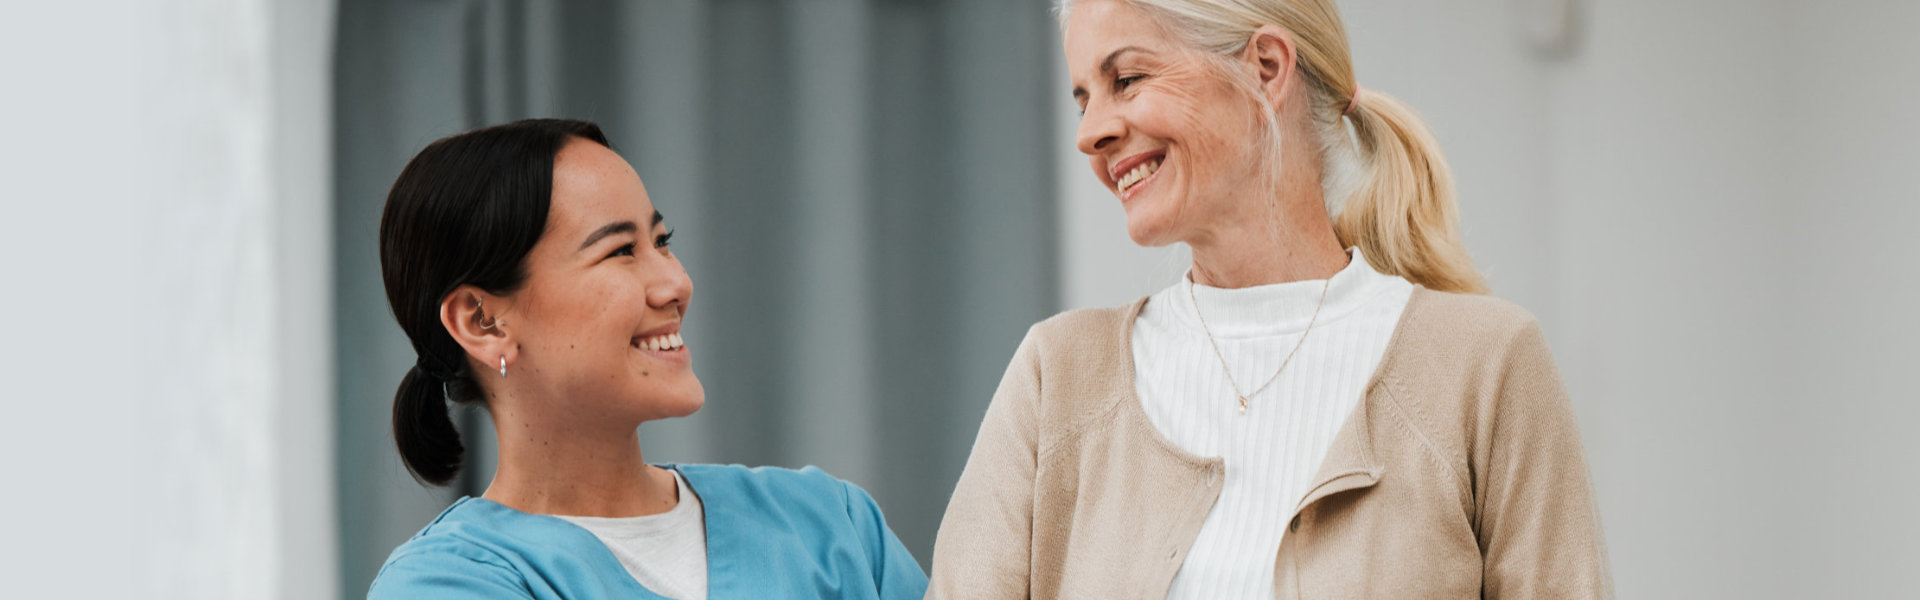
(1097, 28)
(593, 185)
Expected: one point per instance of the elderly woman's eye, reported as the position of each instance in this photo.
(1123, 82)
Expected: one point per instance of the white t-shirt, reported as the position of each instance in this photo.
(667, 552)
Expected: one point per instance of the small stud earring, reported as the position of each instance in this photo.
(503, 366)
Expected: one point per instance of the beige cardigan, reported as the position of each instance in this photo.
(1460, 475)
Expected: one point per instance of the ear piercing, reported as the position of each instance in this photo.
(485, 323)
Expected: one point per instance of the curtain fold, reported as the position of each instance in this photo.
(861, 192)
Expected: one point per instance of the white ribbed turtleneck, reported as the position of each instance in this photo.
(1273, 450)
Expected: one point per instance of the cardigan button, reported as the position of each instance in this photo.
(1295, 525)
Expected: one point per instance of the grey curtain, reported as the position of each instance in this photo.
(862, 194)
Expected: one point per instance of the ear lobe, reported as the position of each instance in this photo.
(472, 317)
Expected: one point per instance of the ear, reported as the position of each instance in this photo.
(475, 319)
(1270, 54)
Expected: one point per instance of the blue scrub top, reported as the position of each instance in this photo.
(771, 533)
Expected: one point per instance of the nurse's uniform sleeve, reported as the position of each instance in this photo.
(896, 575)
(434, 575)
(986, 537)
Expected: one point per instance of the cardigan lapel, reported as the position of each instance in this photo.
(1350, 463)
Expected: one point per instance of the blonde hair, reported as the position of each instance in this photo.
(1392, 195)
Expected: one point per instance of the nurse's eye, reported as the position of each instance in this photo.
(661, 240)
(625, 250)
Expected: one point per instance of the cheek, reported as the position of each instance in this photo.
(1203, 125)
(1164, 112)
(578, 316)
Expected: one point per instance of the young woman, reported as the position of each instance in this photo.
(1325, 406)
(533, 274)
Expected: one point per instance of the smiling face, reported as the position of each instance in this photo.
(596, 327)
(1162, 129)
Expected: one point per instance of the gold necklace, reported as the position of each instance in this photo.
(1283, 362)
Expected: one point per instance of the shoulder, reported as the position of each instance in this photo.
(1474, 349)
(1462, 344)
(1467, 329)
(1085, 325)
(1458, 363)
(1084, 320)
(470, 530)
(445, 554)
(741, 477)
(1467, 317)
(468, 547)
(1088, 340)
(1071, 370)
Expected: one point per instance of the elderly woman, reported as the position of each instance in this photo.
(529, 267)
(1326, 406)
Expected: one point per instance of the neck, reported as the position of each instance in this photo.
(575, 470)
(1248, 252)
(1265, 240)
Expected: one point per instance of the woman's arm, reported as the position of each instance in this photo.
(1539, 528)
(986, 537)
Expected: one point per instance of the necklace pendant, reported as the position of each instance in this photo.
(1243, 405)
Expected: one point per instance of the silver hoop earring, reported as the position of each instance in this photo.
(503, 366)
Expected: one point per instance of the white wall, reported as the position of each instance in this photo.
(166, 359)
(1852, 285)
(1705, 204)
(1670, 224)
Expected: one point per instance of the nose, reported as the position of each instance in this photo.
(1099, 127)
(671, 288)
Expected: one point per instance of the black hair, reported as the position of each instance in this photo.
(465, 211)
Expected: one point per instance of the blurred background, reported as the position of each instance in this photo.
(1709, 204)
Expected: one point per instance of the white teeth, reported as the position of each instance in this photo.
(1138, 173)
(658, 343)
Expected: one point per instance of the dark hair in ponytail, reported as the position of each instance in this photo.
(465, 211)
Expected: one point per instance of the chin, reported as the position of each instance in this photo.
(653, 401)
(684, 403)
(1147, 230)
(684, 408)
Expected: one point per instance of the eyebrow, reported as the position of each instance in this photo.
(616, 229)
(1106, 66)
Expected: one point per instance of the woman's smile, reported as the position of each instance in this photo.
(1132, 175)
(663, 344)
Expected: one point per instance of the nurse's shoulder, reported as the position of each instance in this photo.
(469, 551)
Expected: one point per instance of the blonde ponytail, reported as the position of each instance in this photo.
(1392, 197)
(1402, 215)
